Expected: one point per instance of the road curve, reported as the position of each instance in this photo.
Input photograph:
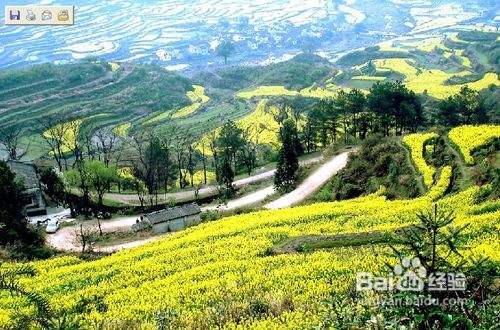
(243, 201)
(63, 239)
(312, 183)
(209, 191)
(305, 190)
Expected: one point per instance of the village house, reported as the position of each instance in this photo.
(171, 219)
(26, 172)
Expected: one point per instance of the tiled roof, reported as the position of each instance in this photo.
(25, 171)
(173, 213)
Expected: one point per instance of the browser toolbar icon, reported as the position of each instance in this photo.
(46, 15)
(15, 15)
(30, 16)
(39, 15)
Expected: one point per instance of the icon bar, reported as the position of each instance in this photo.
(39, 15)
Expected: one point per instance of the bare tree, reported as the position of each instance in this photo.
(215, 154)
(191, 164)
(10, 138)
(182, 157)
(106, 142)
(168, 166)
(55, 134)
(204, 161)
(86, 237)
(83, 176)
(87, 144)
(249, 150)
(145, 161)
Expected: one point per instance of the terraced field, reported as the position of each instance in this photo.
(416, 142)
(123, 93)
(433, 81)
(260, 125)
(129, 96)
(69, 132)
(270, 91)
(215, 274)
(198, 98)
(437, 66)
(122, 129)
(468, 138)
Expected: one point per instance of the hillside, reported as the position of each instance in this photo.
(234, 273)
(137, 96)
(300, 72)
(117, 94)
(436, 66)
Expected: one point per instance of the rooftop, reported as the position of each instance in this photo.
(26, 171)
(173, 213)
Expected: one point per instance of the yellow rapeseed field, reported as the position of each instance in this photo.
(260, 126)
(469, 137)
(211, 275)
(68, 130)
(197, 96)
(313, 91)
(122, 130)
(433, 81)
(416, 144)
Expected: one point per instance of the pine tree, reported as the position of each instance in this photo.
(288, 164)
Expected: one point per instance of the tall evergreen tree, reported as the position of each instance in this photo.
(226, 176)
(288, 164)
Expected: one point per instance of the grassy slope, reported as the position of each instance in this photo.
(298, 73)
(86, 89)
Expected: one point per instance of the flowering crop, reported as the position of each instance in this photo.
(469, 137)
(416, 144)
(67, 131)
(267, 91)
(122, 130)
(433, 81)
(212, 274)
(260, 125)
(312, 91)
(441, 185)
(196, 96)
(215, 274)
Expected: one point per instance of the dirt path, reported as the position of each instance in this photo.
(312, 183)
(465, 177)
(63, 239)
(309, 243)
(418, 176)
(209, 191)
(246, 200)
(130, 245)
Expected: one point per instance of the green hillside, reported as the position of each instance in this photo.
(148, 96)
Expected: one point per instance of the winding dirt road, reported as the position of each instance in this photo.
(209, 191)
(312, 183)
(64, 238)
